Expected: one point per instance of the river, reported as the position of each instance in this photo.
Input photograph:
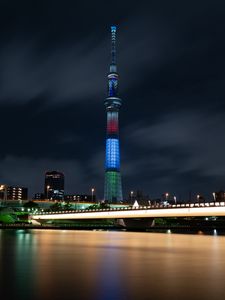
(114, 265)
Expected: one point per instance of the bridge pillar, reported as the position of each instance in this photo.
(142, 223)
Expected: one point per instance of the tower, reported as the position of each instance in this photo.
(113, 188)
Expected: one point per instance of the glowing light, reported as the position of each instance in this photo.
(112, 127)
(137, 213)
(112, 122)
(112, 87)
(112, 154)
(112, 184)
(113, 28)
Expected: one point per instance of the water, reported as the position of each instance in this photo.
(64, 264)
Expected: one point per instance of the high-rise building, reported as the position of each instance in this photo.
(54, 185)
(113, 188)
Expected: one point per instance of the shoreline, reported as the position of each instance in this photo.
(160, 229)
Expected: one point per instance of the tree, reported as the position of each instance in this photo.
(56, 206)
(31, 204)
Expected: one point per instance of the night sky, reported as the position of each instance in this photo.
(54, 59)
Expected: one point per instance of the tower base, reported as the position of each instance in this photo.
(113, 189)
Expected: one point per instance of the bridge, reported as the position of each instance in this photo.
(140, 214)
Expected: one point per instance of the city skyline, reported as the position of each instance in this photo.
(52, 86)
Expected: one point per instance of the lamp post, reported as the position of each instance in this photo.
(198, 196)
(131, 196)
(3, 188)
(48, 187)
(92, 194)
(167, 195)
(214, 196)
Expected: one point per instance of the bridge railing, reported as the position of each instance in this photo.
(149, 207)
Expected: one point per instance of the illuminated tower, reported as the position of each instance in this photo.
(113, 188)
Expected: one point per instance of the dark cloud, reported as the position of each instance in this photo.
(180, 145)
(54, 60)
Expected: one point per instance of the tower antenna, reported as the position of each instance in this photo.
(113, 49)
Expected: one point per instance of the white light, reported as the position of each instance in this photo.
(140, 213)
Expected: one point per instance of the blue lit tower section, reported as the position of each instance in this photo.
(113, 189)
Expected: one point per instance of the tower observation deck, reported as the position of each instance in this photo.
(113, 188)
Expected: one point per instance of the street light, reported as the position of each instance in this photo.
(3, 187)
(214, 196)
(48, 187)
(167, 195)
(92, 193)
(198, 196)
(131, 195)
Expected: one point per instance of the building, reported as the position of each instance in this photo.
(13, 192)
(112, 188)
(219, 196)
(80, 198)
(39, 196)
(54, 185)
(138, 196)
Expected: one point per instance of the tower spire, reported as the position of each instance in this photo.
(113, 49)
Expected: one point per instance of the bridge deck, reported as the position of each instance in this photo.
(180, 210)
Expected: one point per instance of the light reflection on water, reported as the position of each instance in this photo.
(60, 264)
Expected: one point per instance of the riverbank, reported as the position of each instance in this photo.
(160, 229)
